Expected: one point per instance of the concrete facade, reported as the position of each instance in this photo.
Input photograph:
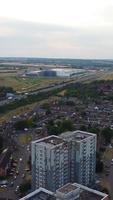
(50, 163)
(59, 160)
(82, 156)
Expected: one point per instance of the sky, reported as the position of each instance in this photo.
(57, 28)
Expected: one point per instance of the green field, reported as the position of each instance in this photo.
(20, 84)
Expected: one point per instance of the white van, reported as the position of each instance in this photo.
(112, 162)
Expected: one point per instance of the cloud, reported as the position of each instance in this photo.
(20, 38)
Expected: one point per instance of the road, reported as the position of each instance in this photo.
(9, 191)
(111, 181)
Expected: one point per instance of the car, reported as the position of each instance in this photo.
(20, 159)
(23, 175)
(12, 170)
(25, 129)
(14, 164)
(112, 162)
(1, 186)
(11, 184)
(11, 173)
(14, 117)
(28, 148)
(17, 172)
(15, 177)
(4, 186)
(27, 169)
(17, 188)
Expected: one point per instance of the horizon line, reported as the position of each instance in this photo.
(55, 58)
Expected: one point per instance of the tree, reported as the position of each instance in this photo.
(48, 111)
(105, 190)
(53, 128)
(107, 133)
(67, 125)
(99, 166)
(1, 143)
(25, 187)
(59, 126)
(46, 106)
(83, 128)
(99, 163)
(27, 123)
(5, 90)
(94, 129)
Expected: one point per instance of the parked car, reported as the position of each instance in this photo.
(112, 162)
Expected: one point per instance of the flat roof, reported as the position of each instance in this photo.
(53, 140)
(88, 193)
(44, 196)
(77, 135)
(50, 140)
(67, 188)
(40, 194)
(84, 192)
(85, 195)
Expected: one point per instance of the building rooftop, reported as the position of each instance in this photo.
(67, 188)
(40, 194)
(84, 193)
(53, 140)
(88, 193)
(76, 135)
(50, 140)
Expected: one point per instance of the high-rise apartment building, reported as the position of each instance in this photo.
(59, 160)
(50, 163)
(82, 156)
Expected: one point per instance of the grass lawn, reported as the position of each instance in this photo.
(25, 138)
(25, 84)
(105, 183)
(108, 154)
(62, 93)
(21, 110)
(107, 76)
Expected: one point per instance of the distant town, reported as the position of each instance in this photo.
(56, 129)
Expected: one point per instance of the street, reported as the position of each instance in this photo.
(9, 192)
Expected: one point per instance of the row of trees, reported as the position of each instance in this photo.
(94, 90)
(26, 101)
(105, 133)
(5, 90)
(84, 91)
(58, 127)
(22, 124)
